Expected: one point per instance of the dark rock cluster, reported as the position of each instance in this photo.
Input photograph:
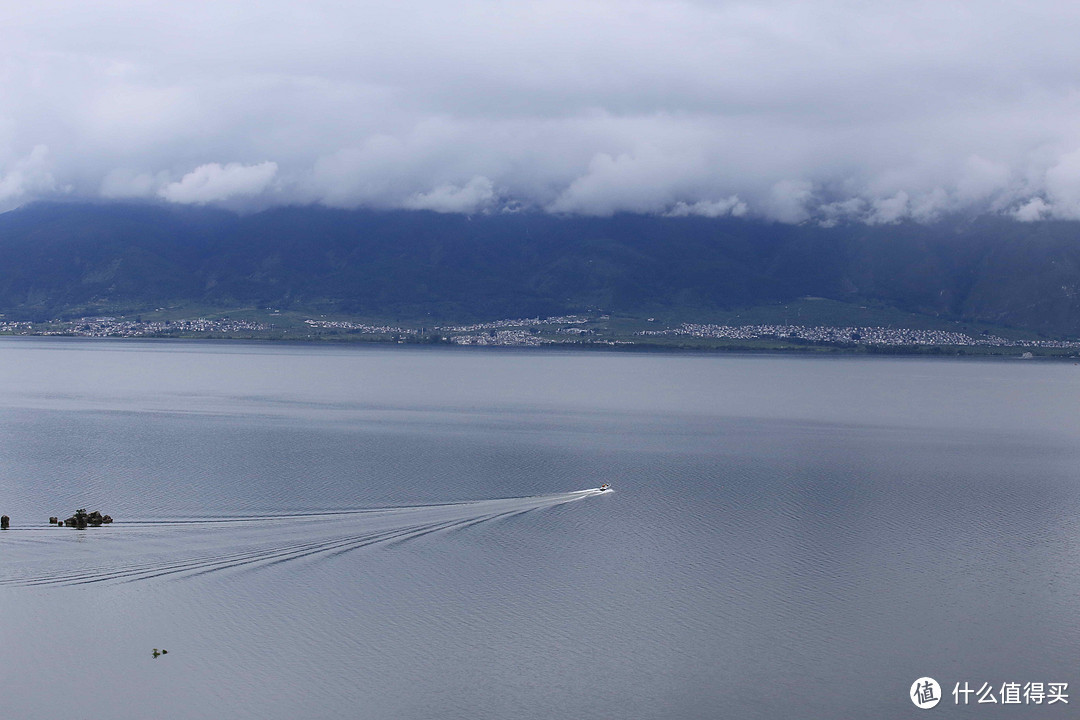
(82, 519)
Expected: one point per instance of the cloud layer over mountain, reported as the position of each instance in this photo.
(825, 110)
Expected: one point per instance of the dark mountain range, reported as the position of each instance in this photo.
(60, 260)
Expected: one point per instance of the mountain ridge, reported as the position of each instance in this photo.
(64, 260)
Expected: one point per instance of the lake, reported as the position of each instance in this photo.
(383, 532)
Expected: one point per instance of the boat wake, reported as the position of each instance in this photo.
(149, 549)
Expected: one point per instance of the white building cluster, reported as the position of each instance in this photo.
(516, 323)
(850, 335)
(505, 338)
(360, 327)
(117, 327)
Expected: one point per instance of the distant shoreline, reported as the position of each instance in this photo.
(568, 333)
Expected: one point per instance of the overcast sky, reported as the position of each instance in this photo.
(822, 110)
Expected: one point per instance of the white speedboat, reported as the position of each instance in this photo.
(605, 487)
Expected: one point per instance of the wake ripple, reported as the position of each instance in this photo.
(149, 549)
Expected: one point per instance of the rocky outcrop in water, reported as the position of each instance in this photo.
(82, 519)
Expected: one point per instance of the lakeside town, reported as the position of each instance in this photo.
(871, 336)
(567, 330)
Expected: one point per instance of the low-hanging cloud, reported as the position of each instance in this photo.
(475, 195)
(26, 177)
(214, 183)
(831, 111)
(710, 208)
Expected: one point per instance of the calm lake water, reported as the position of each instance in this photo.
(325, 532)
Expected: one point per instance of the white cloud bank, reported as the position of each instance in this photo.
(826, 111)
(27, 177)
(214, 183)
(477, 194)
(710, 208)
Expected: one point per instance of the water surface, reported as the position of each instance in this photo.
(393, 533)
